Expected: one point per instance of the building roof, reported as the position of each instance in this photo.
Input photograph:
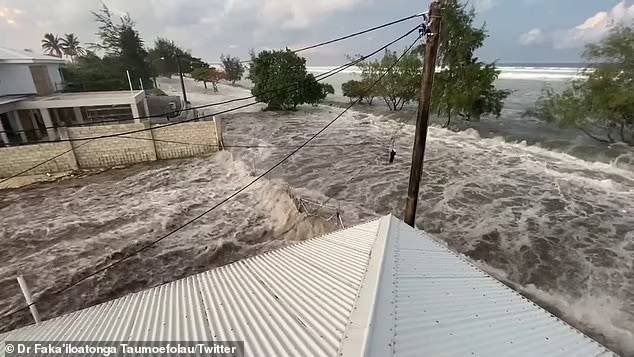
(9, 55)
(82, 99)
(377, 289)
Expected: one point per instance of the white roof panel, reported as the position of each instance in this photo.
(10, 55)
(377, 289)
(433, 302)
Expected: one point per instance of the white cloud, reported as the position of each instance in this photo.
(483, 5)
(595, 28)
(203, 26)
(297, 14)
(533, 37)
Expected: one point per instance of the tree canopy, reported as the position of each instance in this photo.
(398, 87)
(93, 73)
(232, 67)
(52, 45)
(280, 79)
(124, 51)
(208, 74)
(71, 46)
(353, 90)
(164, 57)
(465, 86)
(601, 106)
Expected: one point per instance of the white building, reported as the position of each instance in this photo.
(32, 107)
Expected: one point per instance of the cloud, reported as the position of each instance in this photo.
(10, 15)
(483, 5)
(595, 28)
(203, 26)
(533, 37)
(298, 14)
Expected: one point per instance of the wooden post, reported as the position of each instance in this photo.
(29, 299)
(422, 117)
(180, 74)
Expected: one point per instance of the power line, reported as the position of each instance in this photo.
(250, 146)
(236, 193)
(245, 146)
(333, 72)
(358, 33)
(237, 99)
(329, 74)
(43, 162)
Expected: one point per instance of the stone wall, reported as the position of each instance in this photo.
(151, 142)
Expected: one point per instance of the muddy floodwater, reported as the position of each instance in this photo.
(554, 226)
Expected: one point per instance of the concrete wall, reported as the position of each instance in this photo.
(201, 133)
(16, 79)
(115, 151)
(54, 72)
(14, 160)
(159, 105)
(128, 149)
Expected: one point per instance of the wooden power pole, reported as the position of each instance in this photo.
(422, 117)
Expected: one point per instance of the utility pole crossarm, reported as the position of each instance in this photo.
(424, 107)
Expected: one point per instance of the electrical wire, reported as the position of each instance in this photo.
(330, 74)
(333, 72)
(236, 193)
(166, 114)
(250, 146)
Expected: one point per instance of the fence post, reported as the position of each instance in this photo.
(29, 299)
(64, 134)
(150, 129)
(219, 140)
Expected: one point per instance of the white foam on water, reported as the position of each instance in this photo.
(523, 73)
(543, 218)
(599, 313)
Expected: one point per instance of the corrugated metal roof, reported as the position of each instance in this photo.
(377, 289)
(433, 302)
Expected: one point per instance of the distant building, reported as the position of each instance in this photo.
(32, 107)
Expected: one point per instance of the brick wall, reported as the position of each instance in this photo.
(193, 139)
(14, 160)
(115, 151)
(201, 136)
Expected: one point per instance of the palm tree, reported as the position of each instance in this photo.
(70, 46)
(51, 45)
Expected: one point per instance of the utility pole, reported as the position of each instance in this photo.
(422, 117)
(180, 73)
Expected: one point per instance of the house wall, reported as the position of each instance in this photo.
(17, 79)
(54, 71)
(109, 152)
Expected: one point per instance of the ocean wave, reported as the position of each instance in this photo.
(523, 73)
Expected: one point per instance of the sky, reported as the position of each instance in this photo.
(520, 30)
